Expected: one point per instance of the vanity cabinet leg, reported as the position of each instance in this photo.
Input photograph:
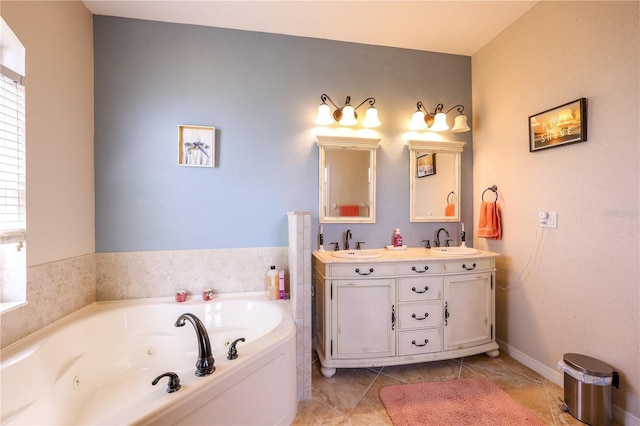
(327, 372)
(493, 354)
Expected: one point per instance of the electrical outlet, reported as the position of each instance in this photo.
(548, 219)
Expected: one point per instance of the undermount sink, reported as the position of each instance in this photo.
(454, 251)
(356, 254)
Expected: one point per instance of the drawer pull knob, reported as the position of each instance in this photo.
(414, 269)
(467, 268)
(426, 314)
(420, 345)
(364, 273)
(426, 288)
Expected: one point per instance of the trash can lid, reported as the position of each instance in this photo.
(588, 365)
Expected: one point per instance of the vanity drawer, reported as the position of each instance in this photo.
(363, 270)
(468, 265)
(419, 341)
(416, 289)
(419, 315)
(420, 268)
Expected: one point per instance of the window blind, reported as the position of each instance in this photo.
(12, 152)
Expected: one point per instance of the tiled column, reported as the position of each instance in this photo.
(300, 291)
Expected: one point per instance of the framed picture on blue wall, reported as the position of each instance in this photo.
(196, 146)
(558, 126)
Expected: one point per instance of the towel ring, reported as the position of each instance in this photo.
(449, 194)
(491, 188)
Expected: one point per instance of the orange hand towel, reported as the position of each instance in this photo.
(450, 210)
(489, 225)
(350, 210)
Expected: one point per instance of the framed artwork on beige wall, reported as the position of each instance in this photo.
(559, 126)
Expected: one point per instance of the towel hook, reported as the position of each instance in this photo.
(491, 188)
(448, 195)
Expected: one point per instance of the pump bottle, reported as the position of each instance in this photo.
(272, 283)
(397, 238)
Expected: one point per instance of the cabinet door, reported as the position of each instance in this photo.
(468, 318)
(363, 317)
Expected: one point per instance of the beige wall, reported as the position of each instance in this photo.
(58, 38)
(61, 278)
(580, 292)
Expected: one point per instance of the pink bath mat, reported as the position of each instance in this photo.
(454, 402)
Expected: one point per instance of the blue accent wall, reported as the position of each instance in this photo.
(261, 93)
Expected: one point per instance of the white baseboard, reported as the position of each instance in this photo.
(556, 376)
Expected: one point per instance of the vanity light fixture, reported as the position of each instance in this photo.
(437, 121)
(346, 116)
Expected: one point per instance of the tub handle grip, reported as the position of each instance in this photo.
(174, 381)
(233, 352)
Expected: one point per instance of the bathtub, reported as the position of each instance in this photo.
(96, 365)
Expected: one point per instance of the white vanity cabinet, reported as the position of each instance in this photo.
(402, 307)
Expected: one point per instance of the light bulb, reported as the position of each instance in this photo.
(324, 117)
(348, 116)
(440, 122)
(417, 121)
(460, 125)
(371, 118)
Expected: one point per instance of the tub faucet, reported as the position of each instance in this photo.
(204, 364)
(436, 239)
(174, 381)
(347, 237)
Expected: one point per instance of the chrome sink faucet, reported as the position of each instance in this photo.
(347, 237)
(205, 362)
(436, 238)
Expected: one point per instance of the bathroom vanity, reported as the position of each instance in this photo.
(386, 307)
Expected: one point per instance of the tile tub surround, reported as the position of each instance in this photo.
(300, 284)
(54, 290)
(134, 275)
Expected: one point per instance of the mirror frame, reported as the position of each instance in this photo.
(434, 147)
(350, 143)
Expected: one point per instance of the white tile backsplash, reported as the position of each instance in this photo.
(162, 273)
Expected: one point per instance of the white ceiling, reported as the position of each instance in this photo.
(458, 27)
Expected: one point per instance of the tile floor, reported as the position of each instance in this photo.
(350, 397)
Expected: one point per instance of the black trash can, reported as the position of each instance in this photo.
(588, 393)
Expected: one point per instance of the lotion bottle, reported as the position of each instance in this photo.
(272, 283)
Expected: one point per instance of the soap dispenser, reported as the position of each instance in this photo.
(397, 238)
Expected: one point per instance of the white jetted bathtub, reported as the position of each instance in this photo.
(96, 365)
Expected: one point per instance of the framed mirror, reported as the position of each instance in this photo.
(347, 179)
(434, 168)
